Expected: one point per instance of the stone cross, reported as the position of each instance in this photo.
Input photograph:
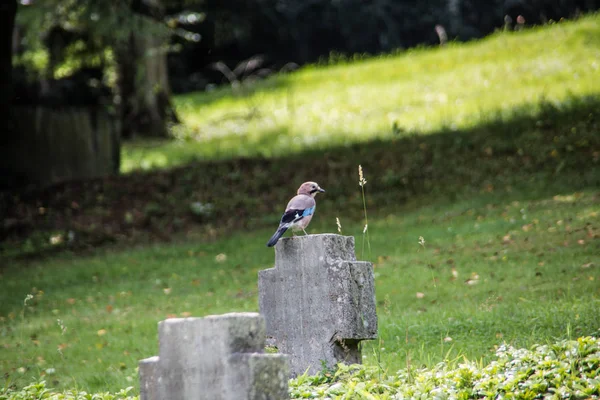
(318, 301)
(214, 358)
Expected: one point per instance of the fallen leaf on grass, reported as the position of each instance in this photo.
(101, 332)
(591, 234)
(454, 273)
(474, 279)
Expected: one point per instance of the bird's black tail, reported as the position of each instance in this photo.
(276, 236)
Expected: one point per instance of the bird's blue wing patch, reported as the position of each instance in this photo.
(308, 211)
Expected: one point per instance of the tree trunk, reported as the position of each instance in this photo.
(143, 85)
(8, 11)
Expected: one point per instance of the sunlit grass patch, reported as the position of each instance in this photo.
(414, 92)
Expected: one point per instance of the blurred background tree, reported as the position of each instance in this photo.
(85, 74)
(84, 52)
(8, 10)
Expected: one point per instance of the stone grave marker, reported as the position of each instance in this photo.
(214, 358)
(318, 301)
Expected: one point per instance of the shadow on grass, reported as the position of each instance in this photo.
(554, 150)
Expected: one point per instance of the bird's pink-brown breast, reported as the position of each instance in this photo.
(300, 202)
(303, 223)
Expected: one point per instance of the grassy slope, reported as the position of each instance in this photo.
(511, 205)
(421, 91)
(529, 260)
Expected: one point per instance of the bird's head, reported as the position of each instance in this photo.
(310, 189)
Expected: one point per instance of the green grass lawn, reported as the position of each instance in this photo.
(506, 200)
(414, 92)
(518, 268)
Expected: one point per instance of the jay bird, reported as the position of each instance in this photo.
(298, 212)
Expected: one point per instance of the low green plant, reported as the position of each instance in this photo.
(567, 369)
(39, 391)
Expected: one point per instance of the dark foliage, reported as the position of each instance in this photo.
(83, 88)
(8, 10)
(305, 31)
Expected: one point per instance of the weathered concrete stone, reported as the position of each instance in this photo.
(216, 357)
(148, 372)
(259, 376)
(318, 301)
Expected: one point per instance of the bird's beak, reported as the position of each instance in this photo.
(321, 190)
